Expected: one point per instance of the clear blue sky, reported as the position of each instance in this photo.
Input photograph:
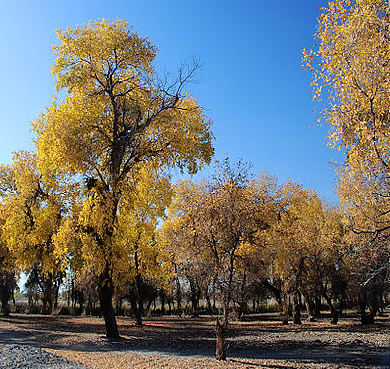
(251, 85)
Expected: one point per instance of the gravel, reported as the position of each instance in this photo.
(14, 356)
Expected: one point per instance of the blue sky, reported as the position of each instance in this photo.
(251, 84)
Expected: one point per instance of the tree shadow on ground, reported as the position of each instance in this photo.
(196, 337)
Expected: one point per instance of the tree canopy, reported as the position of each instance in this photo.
(117, 118)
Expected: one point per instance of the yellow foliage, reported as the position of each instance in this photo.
(350, 63)
(117, 129)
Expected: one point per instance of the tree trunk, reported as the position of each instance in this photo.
(242, 302)
(6, 289)
(5, 308)
(296, 308)
(136, 311)
(105, 297)
(220, 330)
(136, 299)
(317, 304)
(369, 318)
(333, 311)
(149, 304)
(47, 298)
(309, 307)
(178, 295)
(162, 298)
(285, 306)
(56, 289)
(194, 296)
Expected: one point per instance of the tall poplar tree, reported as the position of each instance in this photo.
(116, 116)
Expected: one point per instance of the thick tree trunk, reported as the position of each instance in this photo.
(105, 297)
(335, 316)
(136, 299)
(5, 308)
(220, 330)
(5, 305)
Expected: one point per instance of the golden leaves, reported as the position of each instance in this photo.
(351, 64)
(98, 49)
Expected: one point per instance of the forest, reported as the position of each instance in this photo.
(93, 216)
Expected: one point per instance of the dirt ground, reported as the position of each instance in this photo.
(174, 342)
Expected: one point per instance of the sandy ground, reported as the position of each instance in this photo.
(173, 342)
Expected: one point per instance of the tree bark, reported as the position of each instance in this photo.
(194, 296)
(296, 308)
(178, 297)
(333, 311)
(220, 329)
(285, 307)
(105, 297)
(309, 307)
(6, 290)
(162, 299)
(136, 310)
(47, 298)
(369, 318)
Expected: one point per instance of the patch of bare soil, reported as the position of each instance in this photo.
(173, 342)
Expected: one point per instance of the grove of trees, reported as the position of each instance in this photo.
(92, 211)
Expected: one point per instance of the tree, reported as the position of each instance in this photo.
(365, 200)
(143, 205)
(217, 224)
(116, 117)
(33, 212)
(8, 270)
(304, 246)
(350, 65)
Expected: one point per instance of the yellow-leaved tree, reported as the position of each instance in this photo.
(351, 66)
(33, 212)
(303, 248)
(142, 263)
(215, 228)
(8, 269)
(117, 115)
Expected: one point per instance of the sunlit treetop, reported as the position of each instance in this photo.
(100, 55)
(117, 113)
(350, 64)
